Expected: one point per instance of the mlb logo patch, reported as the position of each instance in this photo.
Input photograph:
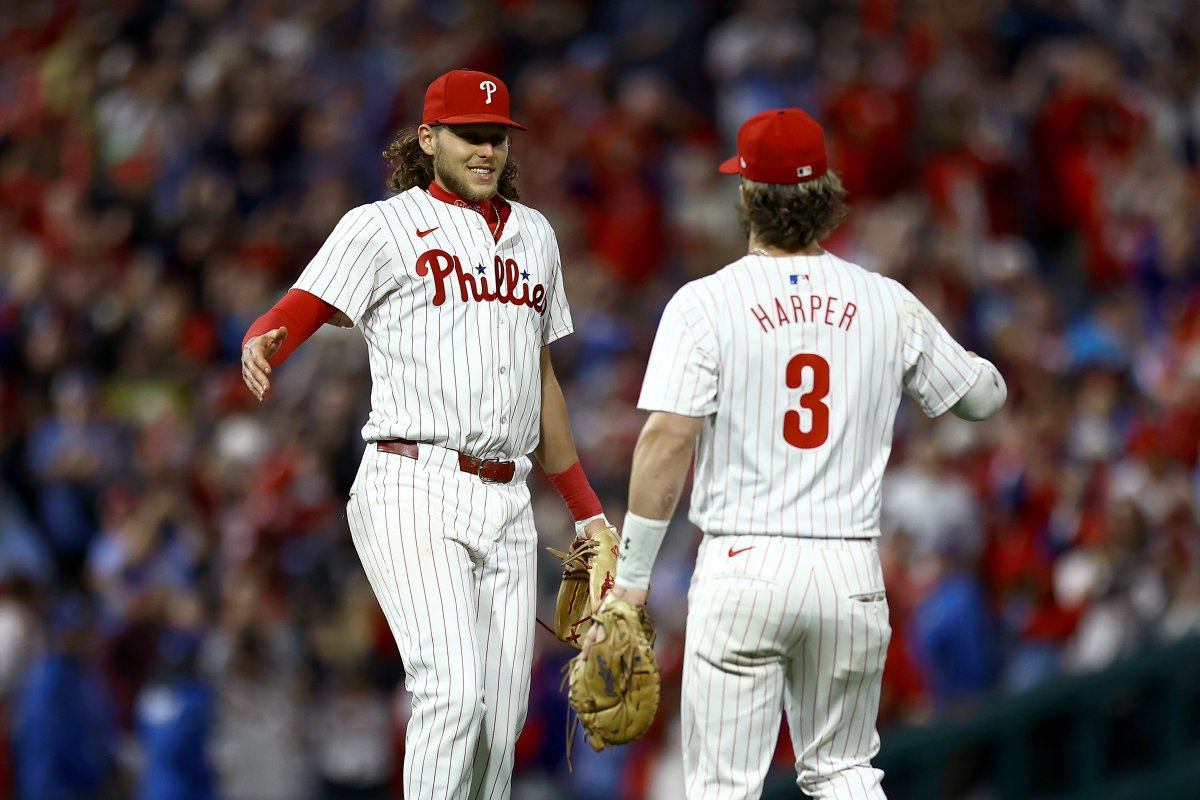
(803, 172)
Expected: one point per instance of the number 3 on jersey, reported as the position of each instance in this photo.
(813, 400)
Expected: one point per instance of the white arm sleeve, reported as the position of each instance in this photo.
(641, 539)
(986, 395)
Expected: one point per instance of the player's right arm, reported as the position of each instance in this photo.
(661, 459)
(660, 464)
(337, 286)
(680, 391)
(275, 335)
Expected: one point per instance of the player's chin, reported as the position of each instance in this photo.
(482, 186)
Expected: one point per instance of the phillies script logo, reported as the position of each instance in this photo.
(473, 285)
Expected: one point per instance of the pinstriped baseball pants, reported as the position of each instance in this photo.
(451, 561)
(784, 625)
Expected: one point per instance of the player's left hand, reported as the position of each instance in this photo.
(615, 693)
(588, 527)
(595, 634)
(588, 570)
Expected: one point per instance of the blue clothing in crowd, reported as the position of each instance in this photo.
(174, 722)
(952, 637)
(65, 736)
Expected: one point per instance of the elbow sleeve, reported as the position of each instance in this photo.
(985, 397)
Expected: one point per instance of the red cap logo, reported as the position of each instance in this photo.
(781, 145)
(465, 97)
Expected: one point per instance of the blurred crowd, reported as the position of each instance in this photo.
(182, 614)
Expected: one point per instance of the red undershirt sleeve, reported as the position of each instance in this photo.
(298, 311)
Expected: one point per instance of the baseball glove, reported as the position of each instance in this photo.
(615, 691)
(588, 570)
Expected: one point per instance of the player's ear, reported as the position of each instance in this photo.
(425, 137)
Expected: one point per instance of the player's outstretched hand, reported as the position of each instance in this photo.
(255, 355)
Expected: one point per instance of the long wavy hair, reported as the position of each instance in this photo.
(792, 216)
(412, 166)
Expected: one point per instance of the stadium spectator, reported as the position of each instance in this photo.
(166, 169)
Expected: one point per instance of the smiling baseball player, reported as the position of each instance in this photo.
(783, 372)
(458, 290)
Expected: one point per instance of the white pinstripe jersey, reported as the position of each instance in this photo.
(454, 321)
(797, 365)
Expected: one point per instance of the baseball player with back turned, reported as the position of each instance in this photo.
(458, 290)
(784, 371)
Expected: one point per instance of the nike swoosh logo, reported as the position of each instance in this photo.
(733, 552)
(423, 234)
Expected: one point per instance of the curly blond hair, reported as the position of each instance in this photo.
(792, 216)
(412, 166)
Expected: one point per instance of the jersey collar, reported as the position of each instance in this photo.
(488, 208)
(495, 210)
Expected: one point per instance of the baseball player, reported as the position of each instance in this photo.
(784, 371)
(458, 290)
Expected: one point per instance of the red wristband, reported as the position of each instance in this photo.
(573, 485)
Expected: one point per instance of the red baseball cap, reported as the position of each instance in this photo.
(465, 97)
(781, 145)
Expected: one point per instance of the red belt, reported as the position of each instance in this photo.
(489, 470)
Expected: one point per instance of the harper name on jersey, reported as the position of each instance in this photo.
(792, 309)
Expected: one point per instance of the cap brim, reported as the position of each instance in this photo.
(731, 166)
(481, 119)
